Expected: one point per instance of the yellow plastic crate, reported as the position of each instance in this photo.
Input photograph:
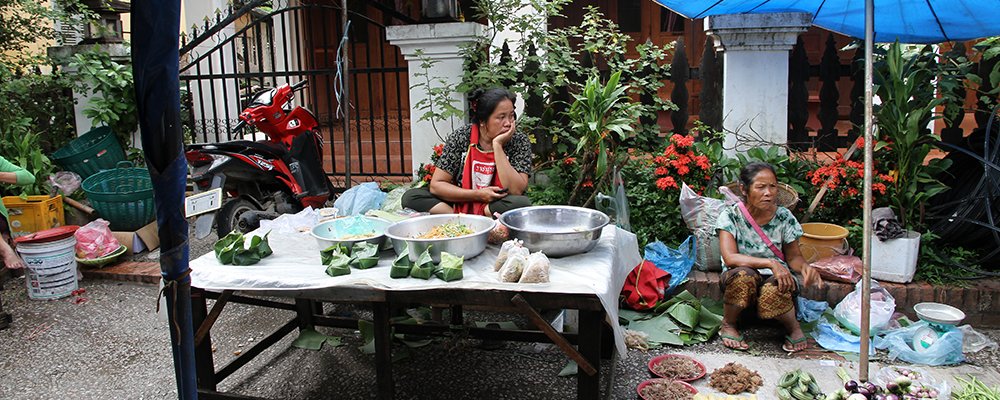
(38, 213)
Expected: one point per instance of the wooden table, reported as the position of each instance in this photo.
(308, 308)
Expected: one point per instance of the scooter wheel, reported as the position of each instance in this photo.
(227, 219)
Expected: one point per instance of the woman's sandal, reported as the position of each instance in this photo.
(739, 339)
(789, 345)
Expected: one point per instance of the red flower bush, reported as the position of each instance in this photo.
(679, 163)
(426, 171)
(844, 181)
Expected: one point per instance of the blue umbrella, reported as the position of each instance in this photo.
(909, 21)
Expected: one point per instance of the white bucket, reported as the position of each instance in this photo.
(51, 272)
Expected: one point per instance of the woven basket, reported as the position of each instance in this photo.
(123, 196)
(787, 196)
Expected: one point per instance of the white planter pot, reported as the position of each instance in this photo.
(895, 260)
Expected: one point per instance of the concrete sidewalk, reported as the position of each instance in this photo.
(113, 346)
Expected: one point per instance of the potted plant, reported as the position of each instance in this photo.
(908, 101)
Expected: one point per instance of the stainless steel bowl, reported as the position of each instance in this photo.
(403, 234)
(327, 233)
(557, 231)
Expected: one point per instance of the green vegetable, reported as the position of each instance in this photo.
(365, 255)
(227, 241)
(974, 389)
(450, 267)
(400, 266)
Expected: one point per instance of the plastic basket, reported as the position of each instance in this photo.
(94, 151)
(36, 213)
(123, 196)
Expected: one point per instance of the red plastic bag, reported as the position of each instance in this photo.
(95, 240)
(644, 286)
(845, 269)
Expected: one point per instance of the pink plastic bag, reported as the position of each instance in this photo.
(95, 240)
(845, 269)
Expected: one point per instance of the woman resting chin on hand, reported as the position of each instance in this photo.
(753, 274)
(484, 166)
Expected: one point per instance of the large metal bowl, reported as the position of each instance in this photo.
(557, 231)
(403, 234)
(329, 233)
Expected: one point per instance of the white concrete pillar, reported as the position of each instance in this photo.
(755, 75)
(214, 110)
(441, 43)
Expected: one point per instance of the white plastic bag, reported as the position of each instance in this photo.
(919, 378)
(973, 341)
(848, 311)
(700, 214)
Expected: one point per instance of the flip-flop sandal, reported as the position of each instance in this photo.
(789, 345)
(738, 339)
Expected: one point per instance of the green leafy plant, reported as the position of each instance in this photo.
(601, 115)
(24, 151)
(232, 250)
(115, 105)
(908, 103)
(439, 105)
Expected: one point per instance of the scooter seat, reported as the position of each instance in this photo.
(273, 150)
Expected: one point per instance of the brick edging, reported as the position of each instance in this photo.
(980, 300)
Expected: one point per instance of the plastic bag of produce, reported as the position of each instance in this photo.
(848, 311)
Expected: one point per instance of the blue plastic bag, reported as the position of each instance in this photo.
(832, 337)
(359, 199)
(809, 310)
(946, 350)
(677, 262)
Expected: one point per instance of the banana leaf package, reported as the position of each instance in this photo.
(336, 260)
(326, 254)
(424, 267)
(231, 249)
(400, 266)
(365, 255)
(450, 268)
(681, 320)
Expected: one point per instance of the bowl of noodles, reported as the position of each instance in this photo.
(350, 230)
(463, 235)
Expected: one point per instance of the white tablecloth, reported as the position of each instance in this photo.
(295, 265)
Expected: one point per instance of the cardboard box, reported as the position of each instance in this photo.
(146, 238)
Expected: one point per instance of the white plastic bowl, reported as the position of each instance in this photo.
(939, 313)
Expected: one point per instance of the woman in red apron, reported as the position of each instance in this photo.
(484, 166)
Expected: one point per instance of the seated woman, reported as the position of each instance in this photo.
(755, 272)
(484, 166)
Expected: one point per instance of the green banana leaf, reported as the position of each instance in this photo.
(365, 263)
(227, 241)
(246, 257)
(310, 339)
(339, 264)
(661, 329)
(450, 267)
(367, 329)
(420, 272)
(400, 266)
(684, 314)
(264, 248)
(631, 316)
(425, 258)
(326, 254)
(364, 250)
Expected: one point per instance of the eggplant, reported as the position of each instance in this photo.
(871, 387)
(891, 396)
(851, 386)
(892, 387)
(857, 396)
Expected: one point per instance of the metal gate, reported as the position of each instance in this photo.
(223, 64)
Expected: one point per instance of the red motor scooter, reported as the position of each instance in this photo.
(259, 179)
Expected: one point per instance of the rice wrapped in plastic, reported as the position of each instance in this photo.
(537, 270)
(513, 245)
(513, 267)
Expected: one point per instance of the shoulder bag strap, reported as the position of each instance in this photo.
(753, 223)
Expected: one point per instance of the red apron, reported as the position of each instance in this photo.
(479, 172)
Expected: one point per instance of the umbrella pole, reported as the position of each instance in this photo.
(866, 285)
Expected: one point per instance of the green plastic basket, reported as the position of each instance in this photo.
(123, 196)
(94, 151)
